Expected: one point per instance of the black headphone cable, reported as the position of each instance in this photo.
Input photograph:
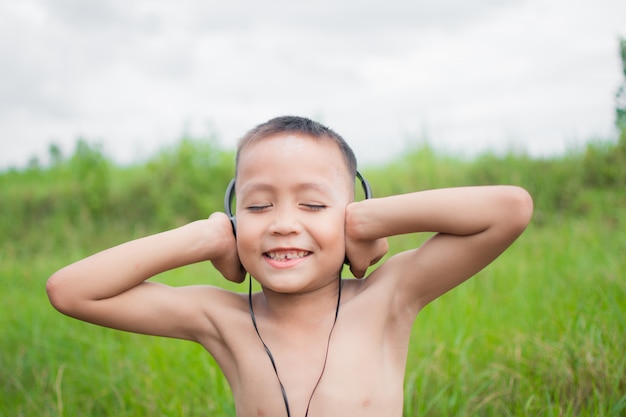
(271, 357)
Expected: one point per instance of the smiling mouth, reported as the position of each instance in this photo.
(286, 255)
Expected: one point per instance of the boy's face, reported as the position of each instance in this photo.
(292, 191)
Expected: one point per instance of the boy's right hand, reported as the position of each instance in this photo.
(227, 263)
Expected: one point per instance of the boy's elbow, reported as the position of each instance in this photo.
(519, 208)
(57, 292)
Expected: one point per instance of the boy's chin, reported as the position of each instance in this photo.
(296, 286)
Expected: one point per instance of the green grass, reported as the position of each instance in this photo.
(52, 365)
(540, 332)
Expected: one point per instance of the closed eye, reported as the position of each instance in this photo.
(258, 207)
(314, 207)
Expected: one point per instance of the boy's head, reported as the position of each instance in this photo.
(294, 179)
(298, 126)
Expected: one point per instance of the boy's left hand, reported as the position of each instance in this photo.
(362, 255)
(361, 252)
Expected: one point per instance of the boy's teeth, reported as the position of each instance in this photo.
(281, 256)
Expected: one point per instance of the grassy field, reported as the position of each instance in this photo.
(540, 332)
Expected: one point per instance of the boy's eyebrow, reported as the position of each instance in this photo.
(260, 186)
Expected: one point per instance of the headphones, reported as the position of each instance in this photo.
(229, 196)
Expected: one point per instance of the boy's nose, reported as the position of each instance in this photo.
(285, 222)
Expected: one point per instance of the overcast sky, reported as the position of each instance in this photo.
(469, 75)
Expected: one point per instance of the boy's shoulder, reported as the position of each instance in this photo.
(388, 288)
(216, 304)
(216, 315)
(377, 288)
(212, 297)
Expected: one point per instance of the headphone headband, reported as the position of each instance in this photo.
(367, 190)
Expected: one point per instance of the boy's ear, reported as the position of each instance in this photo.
(229, 196)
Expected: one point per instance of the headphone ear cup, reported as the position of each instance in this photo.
(229, 196)
(367, 192)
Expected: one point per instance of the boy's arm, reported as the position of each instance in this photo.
(110, 288)
(474, 225)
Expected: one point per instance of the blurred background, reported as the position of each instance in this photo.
(118, 119)
(538, 75)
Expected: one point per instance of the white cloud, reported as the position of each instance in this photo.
(469, 74)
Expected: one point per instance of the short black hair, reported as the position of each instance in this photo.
(299, 125)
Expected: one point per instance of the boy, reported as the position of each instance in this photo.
(309, 343)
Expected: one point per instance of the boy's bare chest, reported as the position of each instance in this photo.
(353, 374)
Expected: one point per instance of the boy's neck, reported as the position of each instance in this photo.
(300, 310)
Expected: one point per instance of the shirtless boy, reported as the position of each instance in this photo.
(339, 346)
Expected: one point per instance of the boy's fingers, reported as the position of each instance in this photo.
(231, 269)
(239, 276)
(382, 247)
(376, 251)
(358, 272)
(228, 263)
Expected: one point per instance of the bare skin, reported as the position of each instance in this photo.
(296, 223)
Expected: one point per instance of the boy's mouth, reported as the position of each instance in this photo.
(285, 255)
